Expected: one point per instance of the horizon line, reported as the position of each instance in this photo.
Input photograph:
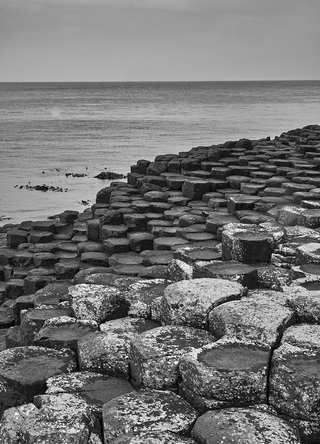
(157, 81)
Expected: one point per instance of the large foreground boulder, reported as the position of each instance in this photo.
(147, 411)
(244, 425)
(24, 370)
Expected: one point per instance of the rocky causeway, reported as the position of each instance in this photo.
(182, 307)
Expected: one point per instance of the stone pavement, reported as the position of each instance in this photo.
(182, 307)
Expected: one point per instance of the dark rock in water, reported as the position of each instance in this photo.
(109, 175)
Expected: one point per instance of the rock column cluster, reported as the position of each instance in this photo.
(182, 307)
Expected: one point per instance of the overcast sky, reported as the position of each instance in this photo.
(132, 40)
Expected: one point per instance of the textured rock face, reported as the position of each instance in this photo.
(147, 411)
(226, 373)
(107, 351)
(190, 302)
(24, 370)
(62, 418)
(63, 332)
(97, 302)
(295, 379)
(153, 438)
(243, 426)
(258, 320)
(155, 354)
(96, 389)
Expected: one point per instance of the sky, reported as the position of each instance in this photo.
(159, 40)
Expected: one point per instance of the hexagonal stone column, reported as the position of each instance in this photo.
(295, 380)
(189, 302)
(226, 373)
(157, 437)
(63, 332)
(244, 425)
(24, 370)
(147, 411)
(308, 254)
(96, 389)
(107, 351)
(97, 302)
(260, 321)
(155, 354)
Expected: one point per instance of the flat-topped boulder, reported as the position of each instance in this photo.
(107, 351)
(254, 425)
(156, 437)
(155, 354)
(147, 411)
(224, 374)
(294, 381)
(97, 302)
(63, 332)
(141, 294)
(52, 418)
(189, 302)
(24, 370)
(96, 389)
(244, 274)
(261, 321)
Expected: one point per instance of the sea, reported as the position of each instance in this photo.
(64, 134)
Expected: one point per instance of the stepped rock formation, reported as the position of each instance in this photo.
(182, 307)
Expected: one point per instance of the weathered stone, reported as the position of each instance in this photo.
(14, 288)
(215, 221)
(44, 260)
(63, 332)
(247, 425)
(195, 189)
(67, 268)
(156, 437)
(94, 388)
(34, 283)
(16, 237)
(224, 374)
(95, 258)
(139, 242)
(168, 243)
(179, 270)
(107, 351)
(22, 259)
(141, 294)
(191, 254)
(155, 354)
(249, 244)
(33, 319)
(111, 231)
(97, 302)
(116, 245)
(259, 321)
(190, 302)
(232, 271)
(156, 257)
(93, 229)
(273, 277)
(305, 304)
(241, 202)
(294, 381)
(130, 258)
(24, 371)
(309, 253)
(150, 410)
(41, 237)
(55, 419)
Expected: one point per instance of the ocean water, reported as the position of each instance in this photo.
(48, 130)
